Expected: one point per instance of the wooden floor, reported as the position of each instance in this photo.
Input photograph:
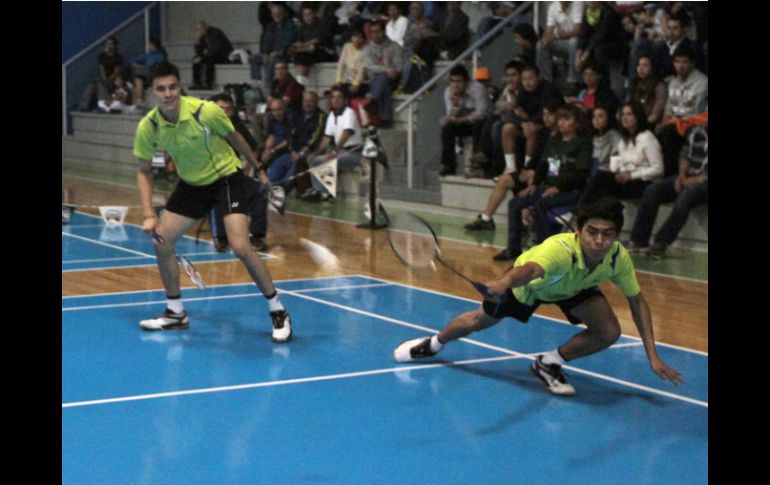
(679, 307)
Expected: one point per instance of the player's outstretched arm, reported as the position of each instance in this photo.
(643, 321)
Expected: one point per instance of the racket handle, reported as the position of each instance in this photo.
(157, 237)
(481, 288)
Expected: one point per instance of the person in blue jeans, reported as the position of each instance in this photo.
(687, 190)
(277, 154)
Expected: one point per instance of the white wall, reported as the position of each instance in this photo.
(238, 20)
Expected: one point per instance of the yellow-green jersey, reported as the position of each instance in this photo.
(197, 141)
(566, 274)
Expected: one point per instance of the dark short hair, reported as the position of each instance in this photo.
(514, 65)
(460, 70)
(221, 97)
(163, 69)
(604, 208)
(530, 67)
(553, 104)
(684, 51)
(526, 31)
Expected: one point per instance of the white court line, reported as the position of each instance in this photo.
(126, 258)
(200, 241)
(213, 286)
(102, 243)
(254, 385)
(514, 353)
(511, 353)
(224, 297)
(556, 320)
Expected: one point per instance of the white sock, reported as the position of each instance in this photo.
(527, 158)
(274, 303)
(175, 305)
(553, 357)
(510, 162)
(435, 345)
(485, 217)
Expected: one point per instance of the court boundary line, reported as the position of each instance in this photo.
(219, 297)
(213, 286)
(283, 382)
(504, 350)
(557, 320)
(102, 243)
(513, 352)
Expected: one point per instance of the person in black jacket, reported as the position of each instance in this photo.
(602, 36)
(212, 47)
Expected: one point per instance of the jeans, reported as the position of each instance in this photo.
(544, 56)
(381, 89)
(663, 192)
(281, 168)
(541, 206)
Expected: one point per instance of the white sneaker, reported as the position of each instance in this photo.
(167, 321)
(281, 326)
(552, 376)
(410, 350)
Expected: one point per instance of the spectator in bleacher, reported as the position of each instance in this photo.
(314, 44)
(307, 136)
(525, 38)
(258, 222)
(119, 98)
(383, 62)
(606, 137)
(526, 121)
(212, 47)
(111, 64)
(500, 10)
(687, 98)
(648, 90)
(675, 38)
(649, 31)
(454, 31)
(601, 36)
(286, 87)
(687, 190)
(350, 67)
(465, 119)
(281, 125)
(421, 43)
(559, 180)
(396, 24)
(596, 92)
(276, 39)
(639, 161)
(520, 182)
(343, 130)
(142, 65)
(562, 34)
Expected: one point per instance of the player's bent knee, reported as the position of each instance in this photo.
(241, 249)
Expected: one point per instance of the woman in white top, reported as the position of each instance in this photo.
(397, 24)
(606, 136)
(638, 163)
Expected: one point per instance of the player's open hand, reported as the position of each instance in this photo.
(666, 372)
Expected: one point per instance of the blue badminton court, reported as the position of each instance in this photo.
(220, 403)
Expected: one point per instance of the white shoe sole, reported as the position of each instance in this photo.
(402, 352)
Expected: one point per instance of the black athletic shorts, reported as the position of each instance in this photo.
(235, 193)
(511, 307)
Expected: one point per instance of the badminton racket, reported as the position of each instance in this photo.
(416, 245)
(187, 265)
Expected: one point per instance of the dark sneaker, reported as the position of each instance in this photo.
(167, 321)
(480, 225)
(281, 326)
(257, 243)
(221, 245)
(506, 255)
(657, 251)
(633, 247)
(552, 376)
(409, 350)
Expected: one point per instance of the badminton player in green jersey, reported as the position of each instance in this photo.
(565, 270)
(200, 138)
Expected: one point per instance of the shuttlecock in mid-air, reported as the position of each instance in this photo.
(320, 254)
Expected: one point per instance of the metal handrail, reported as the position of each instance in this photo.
(144, 12)
(104, 37)
(435, 79)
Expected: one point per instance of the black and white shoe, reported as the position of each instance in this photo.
(167, 321)
(281, 326)
(552, 376)
(410, 350)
